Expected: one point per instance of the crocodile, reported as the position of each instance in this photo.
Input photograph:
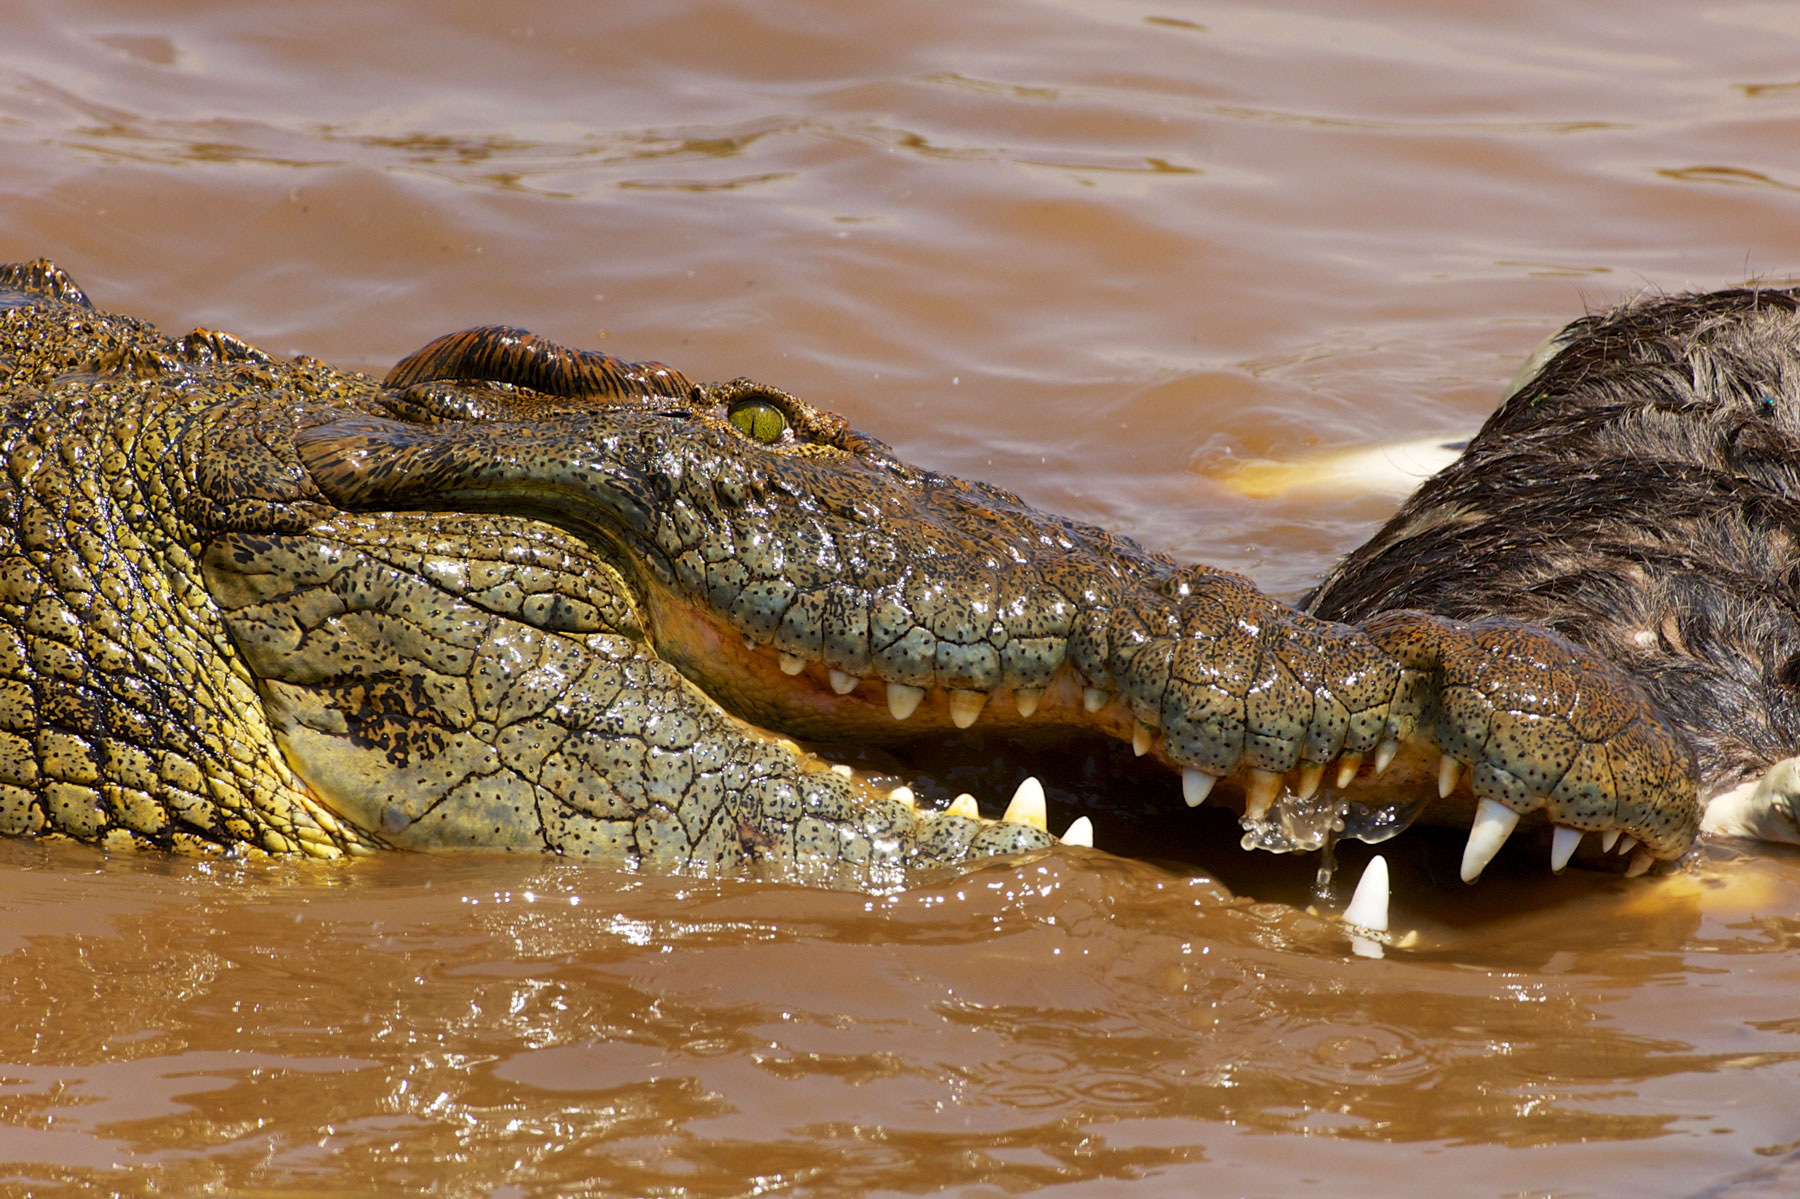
(521, 596)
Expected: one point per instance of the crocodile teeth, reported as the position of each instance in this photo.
(843, 683)
(792, 664)
(1311, 775)
(903, 701)
(1641, 861)
(1348, 765)
(1095, 698)
(1562, 847)
(1028, 699)
(1627, 843)
(750, 642)
(1260, 793)
(1196, 785)
(1027, 806)
(966, 706)
(1449, 771)
(963, 805)
(1081, 832)
(840, 768)
(1384, 755)
(1142, 735)
(1494, 823)
(1369, 905)
(903, 795)
(1610, 838)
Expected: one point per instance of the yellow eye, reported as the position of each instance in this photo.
(759, 419)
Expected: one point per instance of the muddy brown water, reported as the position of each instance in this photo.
(1099, 252)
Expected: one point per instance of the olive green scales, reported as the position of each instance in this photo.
(526, 597)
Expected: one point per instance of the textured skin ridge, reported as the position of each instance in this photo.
(529, 597)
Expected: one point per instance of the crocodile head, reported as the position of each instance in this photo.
(527, 596)
(815, 585)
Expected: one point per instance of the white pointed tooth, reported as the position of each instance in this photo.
(1027, 806)
(904, 795)
(1311, 775)
(792, 664)
(843, 683)
(1348, 765)
(1142, 737)
(840, 768)
(903, 701)
(1364, 947)
(1627, 843)
(749, 642)
(1028, 699)
(1369, 905)
(1449, 771)
(1081, 832)
(1494, 823)
(1384, 755)
(1562, 847)
(1641, 862)
(1260, 793)
(963, 805)
(1610, 838)
(966, 706)
(1196, 785)
(1095, 698)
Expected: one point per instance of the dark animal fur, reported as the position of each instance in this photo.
(1640, 495)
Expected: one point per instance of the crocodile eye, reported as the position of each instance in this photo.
(758, 419)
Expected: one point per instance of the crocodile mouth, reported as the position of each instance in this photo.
(1061, 750)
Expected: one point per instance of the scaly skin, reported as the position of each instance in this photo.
(526, 597)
